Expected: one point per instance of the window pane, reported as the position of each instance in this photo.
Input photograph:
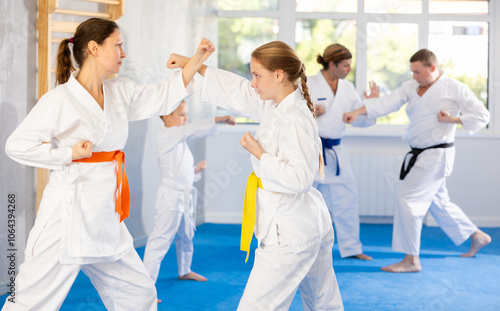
(462, 52)
(266, 5)
(238, 37)
(458, 6)
(391, 6)
(390, 47)
(314, 35)
(346, 6)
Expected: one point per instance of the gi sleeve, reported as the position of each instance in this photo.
(356, 103)
(292, 170)
(169, 137)
(230, 91)
(149, 100)
(474, 115)
(31, 142)
(381, 106)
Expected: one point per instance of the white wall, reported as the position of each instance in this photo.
(17, 96)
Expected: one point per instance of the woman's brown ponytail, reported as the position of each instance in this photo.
(333, 53)
(64, 65)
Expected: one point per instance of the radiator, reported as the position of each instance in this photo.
(377, 178)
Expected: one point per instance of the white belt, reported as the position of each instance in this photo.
(190, 200)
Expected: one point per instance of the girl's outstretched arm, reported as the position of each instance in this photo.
(192, 65)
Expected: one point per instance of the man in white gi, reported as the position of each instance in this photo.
(436, 103)
(333, 96)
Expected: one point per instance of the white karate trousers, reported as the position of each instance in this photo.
(422, 190)
(167, 224)
(342, 202)
(43, 283)
(278, 272)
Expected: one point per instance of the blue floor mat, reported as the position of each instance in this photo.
(447, 281)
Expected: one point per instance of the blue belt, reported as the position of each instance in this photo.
(415, 152)
(330, 143)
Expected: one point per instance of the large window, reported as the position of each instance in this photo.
(381, 34)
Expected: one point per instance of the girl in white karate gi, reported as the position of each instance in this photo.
(292, 223)
(333, 96)
(436, 103)
(79, 223)
(175, 199)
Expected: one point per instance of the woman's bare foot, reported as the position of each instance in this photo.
(408, 264)
(479, 240)
(158, 300)
(193, 276)
(362, 257)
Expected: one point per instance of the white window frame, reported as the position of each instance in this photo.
(287, 17)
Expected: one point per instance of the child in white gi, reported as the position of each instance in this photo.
(176, 197)
(292, 223)
(77, 131)
(436, 103)
(333, 96)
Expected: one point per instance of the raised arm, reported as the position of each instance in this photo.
(171, 136)
(148, 100)
(192, 65)
(381, 106)
(179, 61)
(231, 91)
(351, 116)
(361, 119)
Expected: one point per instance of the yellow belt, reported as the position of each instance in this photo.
(249, 206)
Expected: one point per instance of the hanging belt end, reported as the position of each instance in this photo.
(246, 259)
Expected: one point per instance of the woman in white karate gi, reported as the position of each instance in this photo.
(79, 223)
(333, 96)
(175, 199)
(292, 223)
(436, 103)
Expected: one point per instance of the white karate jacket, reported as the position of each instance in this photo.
(84, 193)
(289, 135)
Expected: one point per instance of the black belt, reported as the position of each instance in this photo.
(415, 152)
(330, 143)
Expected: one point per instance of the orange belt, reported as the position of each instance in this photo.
(122, 194)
